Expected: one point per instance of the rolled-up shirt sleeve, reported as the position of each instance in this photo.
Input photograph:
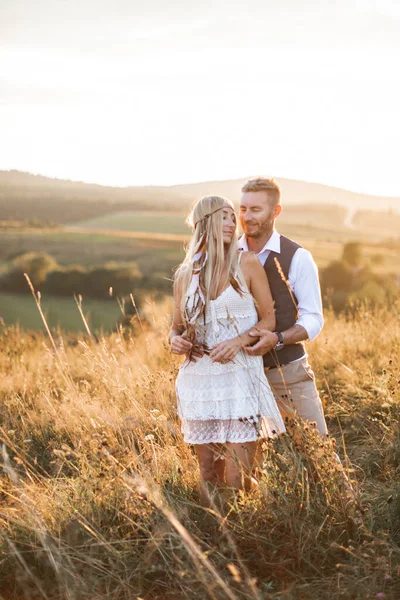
(304, 282)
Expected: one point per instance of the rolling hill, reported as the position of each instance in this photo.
(26, 196)
(297, 192)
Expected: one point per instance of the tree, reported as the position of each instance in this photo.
(352, 254)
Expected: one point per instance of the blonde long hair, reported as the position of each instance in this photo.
(206, 259)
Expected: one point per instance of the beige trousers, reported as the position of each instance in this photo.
(295, 392)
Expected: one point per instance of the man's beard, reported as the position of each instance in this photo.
(261, 229)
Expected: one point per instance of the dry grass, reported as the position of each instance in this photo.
(99, 492)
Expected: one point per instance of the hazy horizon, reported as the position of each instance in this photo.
(193, 183)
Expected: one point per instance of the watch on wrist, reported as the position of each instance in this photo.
(279, 345)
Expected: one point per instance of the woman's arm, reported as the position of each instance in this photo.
(257, 282)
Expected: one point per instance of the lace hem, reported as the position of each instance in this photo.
(233, 408)
(230, 430)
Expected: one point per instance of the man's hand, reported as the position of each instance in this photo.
(226, 351)
(267, 341)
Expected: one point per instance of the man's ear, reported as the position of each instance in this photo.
(278, 210)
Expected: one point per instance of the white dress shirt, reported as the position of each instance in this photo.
(303, 281)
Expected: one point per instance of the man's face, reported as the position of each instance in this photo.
(256, 214)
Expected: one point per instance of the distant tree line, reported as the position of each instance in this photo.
(110, 280)
(352, 279)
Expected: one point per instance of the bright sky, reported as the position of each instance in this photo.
(157, 92)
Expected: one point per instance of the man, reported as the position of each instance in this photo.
(293, 278)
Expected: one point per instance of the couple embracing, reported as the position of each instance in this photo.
(242, 310)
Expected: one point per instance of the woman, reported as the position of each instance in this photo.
(224, 400)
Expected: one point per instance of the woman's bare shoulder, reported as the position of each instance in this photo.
(248, 259)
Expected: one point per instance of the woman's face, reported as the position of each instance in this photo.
(228, 223)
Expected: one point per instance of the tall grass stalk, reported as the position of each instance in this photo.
(78, 301)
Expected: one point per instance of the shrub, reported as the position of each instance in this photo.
(36, 264)
(352, 254)
(349, 282)
(49, 277)
(65, 282)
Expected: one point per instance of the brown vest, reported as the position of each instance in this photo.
(285, 304)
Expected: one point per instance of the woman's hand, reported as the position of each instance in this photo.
(226, 351)
(181, 345)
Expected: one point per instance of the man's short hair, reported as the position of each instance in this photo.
(263, 184)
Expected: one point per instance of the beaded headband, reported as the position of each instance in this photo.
(209, 214)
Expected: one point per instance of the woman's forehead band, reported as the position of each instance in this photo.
(209, 214)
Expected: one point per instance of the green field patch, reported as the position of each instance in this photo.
(143, 221)
(92, 250)
(20, 309)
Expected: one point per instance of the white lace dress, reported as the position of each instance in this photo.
(229, 402)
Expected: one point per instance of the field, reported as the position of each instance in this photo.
(156, 244)
(152, 252)
(99, 493)
(90, 249)
(60, 313)
(146, 221)
(155, 241)
(327, 221)
(157, 257)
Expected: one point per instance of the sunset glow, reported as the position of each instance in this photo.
(121, 95)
